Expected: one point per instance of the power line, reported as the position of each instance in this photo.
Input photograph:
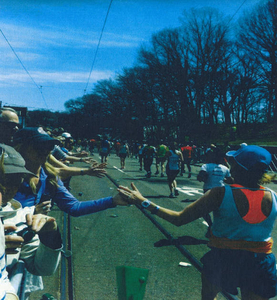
(39, 87)
(237, 11)
(85, 90)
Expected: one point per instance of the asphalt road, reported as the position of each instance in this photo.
(124, 236)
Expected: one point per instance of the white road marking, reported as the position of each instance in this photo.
(118, 169)
(190, 190)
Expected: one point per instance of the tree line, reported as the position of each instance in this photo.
(211, 71)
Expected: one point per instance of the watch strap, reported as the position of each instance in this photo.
(155, 210)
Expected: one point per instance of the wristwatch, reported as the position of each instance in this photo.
(145, 203)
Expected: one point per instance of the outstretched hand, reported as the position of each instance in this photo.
(83, 153)
(98, 166)
(88, 160)
(132, 196)
(98, 172)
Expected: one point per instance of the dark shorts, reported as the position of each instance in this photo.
(160, 160)
(122, 155)
(104, 154)
(230, 269)
(171, 174)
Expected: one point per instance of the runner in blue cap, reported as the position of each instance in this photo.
(241, 243)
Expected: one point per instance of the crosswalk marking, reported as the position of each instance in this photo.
(190, 190)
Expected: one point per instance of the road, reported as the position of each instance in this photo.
(125, 236)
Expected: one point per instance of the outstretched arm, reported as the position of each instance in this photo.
(65, 171)
(97, 171)
(210, 201)
(69, 204)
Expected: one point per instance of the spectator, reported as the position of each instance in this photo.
(6, 289)
(40, 248)
(9, 124)
(62, 156)
(35, 146)
(244, 214)
(68, 146)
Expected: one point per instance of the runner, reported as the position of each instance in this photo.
(187, 155)
(148, 154)
(105, 149)
(161, 158)
(123, 152)
(174, 157)
(241, 239)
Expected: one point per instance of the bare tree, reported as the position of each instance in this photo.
(209, 55)
(167, 63)
(258, 37)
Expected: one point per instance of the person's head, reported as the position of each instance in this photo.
(34, 144)
(12, 172)
(216, 156)
(68, 140)
(249, 164)
(9, 124)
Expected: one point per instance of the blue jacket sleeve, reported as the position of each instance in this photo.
(69, 204)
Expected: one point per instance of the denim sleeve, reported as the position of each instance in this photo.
(69, 204)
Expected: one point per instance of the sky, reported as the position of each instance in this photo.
(48, 47)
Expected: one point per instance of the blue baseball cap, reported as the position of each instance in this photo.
(249, 156)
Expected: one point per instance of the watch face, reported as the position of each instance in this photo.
(145, 203)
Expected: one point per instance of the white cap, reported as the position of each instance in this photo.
(66, 135)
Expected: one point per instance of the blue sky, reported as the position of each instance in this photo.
(56, 43)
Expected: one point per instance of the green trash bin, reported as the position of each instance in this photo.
(131, 282)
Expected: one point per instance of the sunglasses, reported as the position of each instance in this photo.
(11, 125)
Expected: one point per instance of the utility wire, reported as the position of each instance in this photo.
(39, 87)
(85, 90)
(237, 11)
(224, 31)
